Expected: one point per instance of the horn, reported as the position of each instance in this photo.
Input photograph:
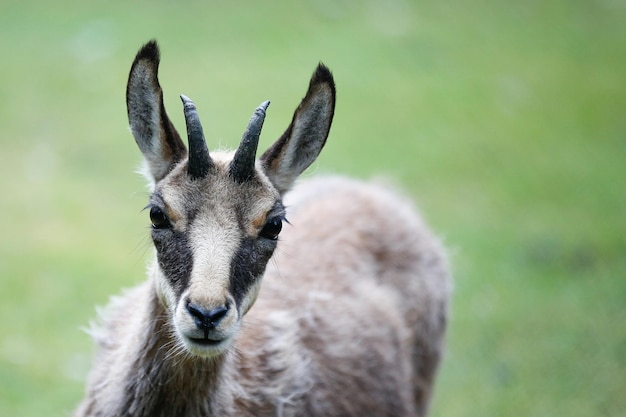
(199, 159)
(242, 166)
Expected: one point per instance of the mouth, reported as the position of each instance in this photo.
(205, 341)
(205, 346)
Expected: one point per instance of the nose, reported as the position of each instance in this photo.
(206, 319)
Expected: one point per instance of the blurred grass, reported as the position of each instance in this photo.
(505, 120)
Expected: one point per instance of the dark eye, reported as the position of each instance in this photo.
(272, 228)
(158, 218)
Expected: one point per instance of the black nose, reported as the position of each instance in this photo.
(206, 319)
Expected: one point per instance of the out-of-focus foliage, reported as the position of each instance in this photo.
(505, 121)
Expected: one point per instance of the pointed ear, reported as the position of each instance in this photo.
(154, 133)
(305, 137)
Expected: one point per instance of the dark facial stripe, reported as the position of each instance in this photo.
(248, 265)
(175, 257)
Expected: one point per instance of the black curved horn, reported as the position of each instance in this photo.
(242, 166)
(199, 159)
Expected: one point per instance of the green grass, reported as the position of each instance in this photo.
(505, 121)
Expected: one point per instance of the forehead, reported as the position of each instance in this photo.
(217, 194)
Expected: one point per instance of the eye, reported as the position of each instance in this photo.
(158, 218)
(272, 228)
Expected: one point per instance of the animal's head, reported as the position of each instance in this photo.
(216, 216)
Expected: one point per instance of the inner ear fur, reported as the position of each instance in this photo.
(305, 137)
(154, 133)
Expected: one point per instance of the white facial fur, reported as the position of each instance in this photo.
(214, 223)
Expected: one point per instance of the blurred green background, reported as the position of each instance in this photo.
(505, 120)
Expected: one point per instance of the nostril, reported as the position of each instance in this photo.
(218, 314)
(206, 319)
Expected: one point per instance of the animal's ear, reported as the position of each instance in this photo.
(154, 133)
(305, 137)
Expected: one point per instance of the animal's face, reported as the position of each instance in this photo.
(213, 237)
(216, 217)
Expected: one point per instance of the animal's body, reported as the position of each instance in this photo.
(346, 319)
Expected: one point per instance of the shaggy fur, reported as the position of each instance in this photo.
(349, 322)
(351, 309)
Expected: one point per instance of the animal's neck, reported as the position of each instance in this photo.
(167, 381)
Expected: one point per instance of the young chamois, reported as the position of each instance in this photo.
(348, 318)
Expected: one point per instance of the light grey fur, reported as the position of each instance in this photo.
(349, 319)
